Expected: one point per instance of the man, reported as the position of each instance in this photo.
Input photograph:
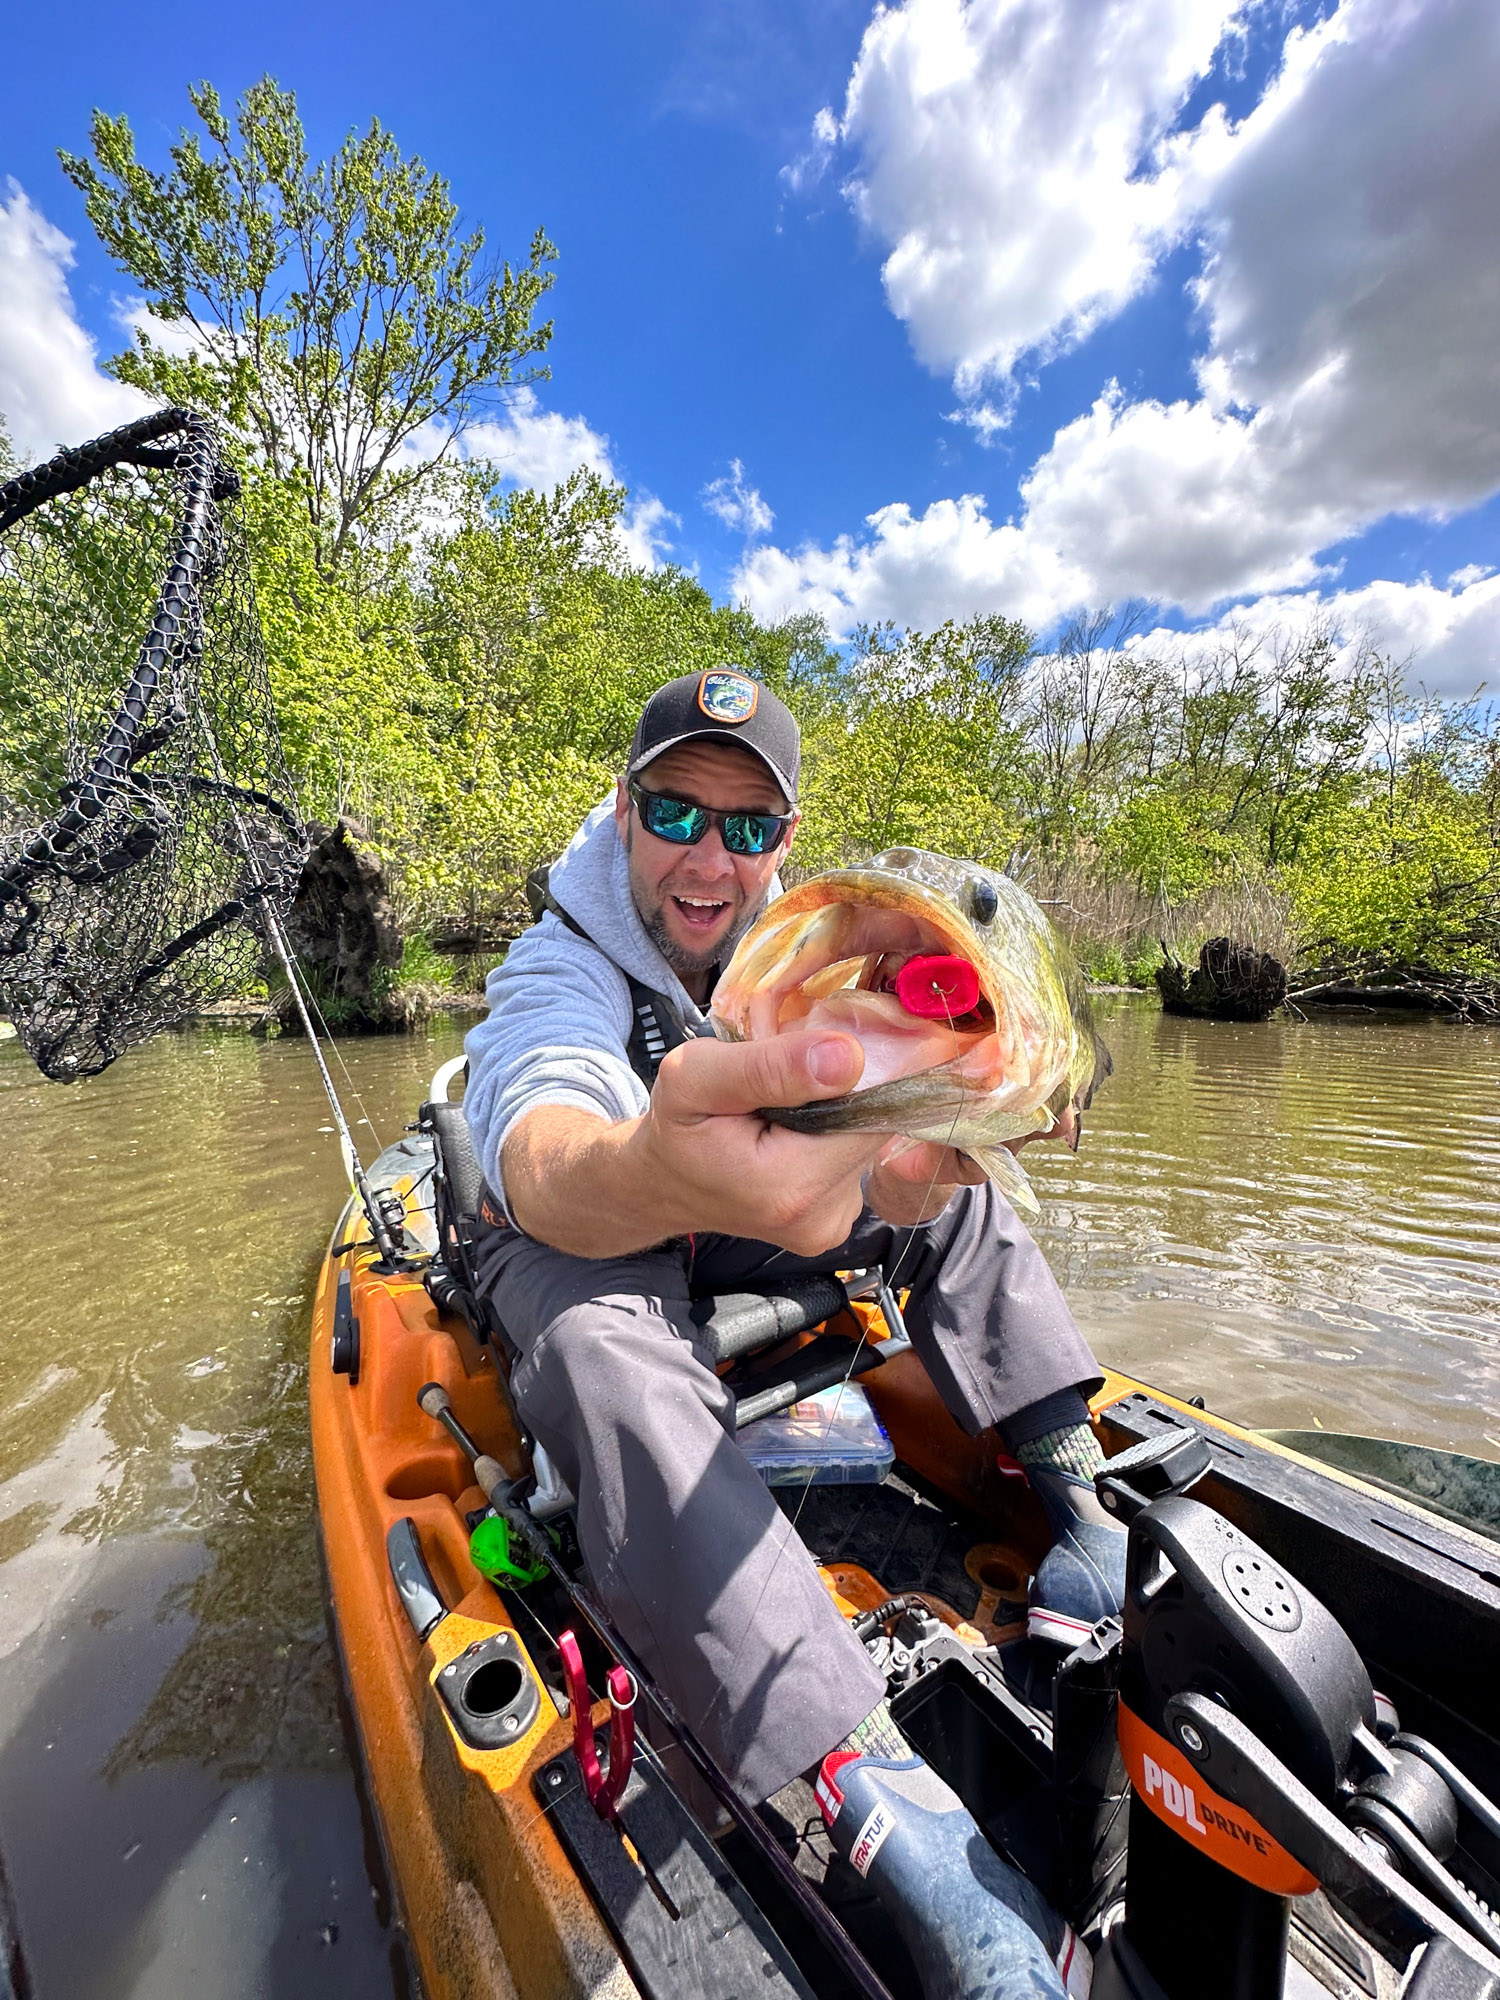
(623, 1195)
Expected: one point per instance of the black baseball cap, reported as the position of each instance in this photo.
(722, 705)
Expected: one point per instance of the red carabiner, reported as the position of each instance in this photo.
(603, 1792)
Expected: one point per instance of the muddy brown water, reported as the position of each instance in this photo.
(1299, 1222)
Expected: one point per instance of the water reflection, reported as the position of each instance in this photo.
(1299, 1222)
(172, 1731)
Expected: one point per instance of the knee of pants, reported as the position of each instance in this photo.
(605, 1353)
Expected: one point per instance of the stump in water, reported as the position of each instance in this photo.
(343, 933)
(1232, 982)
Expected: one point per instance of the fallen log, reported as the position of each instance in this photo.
(1231, 982)
(1460, 996)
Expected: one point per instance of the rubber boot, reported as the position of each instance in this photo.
(975, 1928)
(1082, 1576)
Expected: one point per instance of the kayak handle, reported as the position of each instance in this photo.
(603, 1790)
(412, 1578)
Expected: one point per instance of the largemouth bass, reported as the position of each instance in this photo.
(972, 1011)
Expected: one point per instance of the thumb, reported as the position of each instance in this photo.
(718, 1079)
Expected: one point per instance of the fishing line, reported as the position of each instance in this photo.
(339, 1059)
(281, 945)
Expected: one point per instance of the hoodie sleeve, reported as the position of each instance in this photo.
(556, 1033)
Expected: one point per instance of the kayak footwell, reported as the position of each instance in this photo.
(678, 1912)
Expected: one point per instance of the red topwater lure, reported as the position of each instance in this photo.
(938, 987)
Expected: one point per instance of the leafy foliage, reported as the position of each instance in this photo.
(331, 311)
(461, 668)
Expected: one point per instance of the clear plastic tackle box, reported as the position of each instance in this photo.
(832, 1438)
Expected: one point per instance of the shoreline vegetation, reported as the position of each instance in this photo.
(458, 664)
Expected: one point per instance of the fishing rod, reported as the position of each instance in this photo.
(386, 1219)
(498, 1489)
(386, 1243)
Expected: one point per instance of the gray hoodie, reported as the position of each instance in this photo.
(560, 1013)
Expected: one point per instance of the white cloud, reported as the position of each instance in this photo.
(1178, 503)
(1352, 286)
(169, 336)
(1350, 291)
(1174, 504)
(644, 532)
(807, 170)
(1452, 635)
(535, 447)
(532, 446)
(1013, 155)
(916, 569)
(51, 390)
(952, 561)
(737, 505)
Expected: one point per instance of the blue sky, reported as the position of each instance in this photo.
(1082, 300)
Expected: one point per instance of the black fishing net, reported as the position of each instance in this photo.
(144, 815)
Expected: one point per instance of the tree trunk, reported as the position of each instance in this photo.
(1231, 982)
(343, 935)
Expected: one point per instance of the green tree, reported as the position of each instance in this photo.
(915, 741)
(332, 312)
(539, 644)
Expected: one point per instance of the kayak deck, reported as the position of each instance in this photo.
(492, 1894)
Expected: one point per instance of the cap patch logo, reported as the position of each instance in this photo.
(727, 697)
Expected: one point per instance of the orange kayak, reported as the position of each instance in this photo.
(460, 1698)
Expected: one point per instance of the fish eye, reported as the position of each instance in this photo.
(897, 857)
(984, 901)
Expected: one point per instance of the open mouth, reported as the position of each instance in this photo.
(857, 968)
(700, 913)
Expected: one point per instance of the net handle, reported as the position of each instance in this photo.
(196, 461)
(129, 445)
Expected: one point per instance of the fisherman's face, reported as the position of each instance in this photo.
(695, 902)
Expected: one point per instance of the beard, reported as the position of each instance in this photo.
(684, 961)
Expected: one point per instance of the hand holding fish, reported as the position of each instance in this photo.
(702, 1158)
(972, 1013)
(744, 1177)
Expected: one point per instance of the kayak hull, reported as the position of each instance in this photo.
(462, 1834)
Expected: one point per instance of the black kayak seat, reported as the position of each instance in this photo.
(457, 1161)
(733, 1324)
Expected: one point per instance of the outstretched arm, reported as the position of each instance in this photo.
(699, 1159)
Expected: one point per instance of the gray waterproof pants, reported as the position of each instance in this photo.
(686, 1547)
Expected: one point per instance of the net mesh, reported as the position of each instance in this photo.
(144, 815)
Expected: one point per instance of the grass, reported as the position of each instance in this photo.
(428, 981)
(1121, 934)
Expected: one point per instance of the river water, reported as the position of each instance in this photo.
(1300, 1222)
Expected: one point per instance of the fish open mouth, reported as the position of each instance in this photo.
(972, 1015)
(893, 973)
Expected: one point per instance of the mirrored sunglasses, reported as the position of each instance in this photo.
(685, 824)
